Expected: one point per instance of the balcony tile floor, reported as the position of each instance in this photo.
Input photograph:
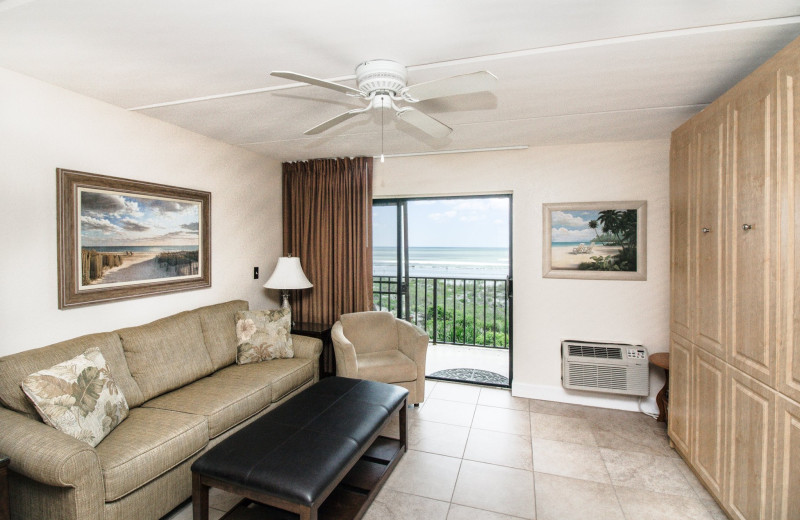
(477, 453)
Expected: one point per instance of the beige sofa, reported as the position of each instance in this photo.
(185, 393)
(377, 346)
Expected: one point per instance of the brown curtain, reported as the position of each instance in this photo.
(327, 223)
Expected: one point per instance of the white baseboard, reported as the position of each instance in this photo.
(598, 400)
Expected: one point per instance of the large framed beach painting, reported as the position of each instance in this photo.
(595, 240)
(122, 238)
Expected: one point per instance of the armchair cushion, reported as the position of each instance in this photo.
(370, 331)
(391, 366)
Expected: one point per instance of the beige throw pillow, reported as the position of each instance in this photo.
(78, 397)
(263, 335)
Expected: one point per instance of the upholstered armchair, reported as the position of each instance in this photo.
(377, 346)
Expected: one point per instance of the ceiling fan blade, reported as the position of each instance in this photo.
(424, 122)
(330, 123)
(316, 81)
(463, 84)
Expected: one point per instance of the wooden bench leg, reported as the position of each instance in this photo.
(404, 426)
(199, 498)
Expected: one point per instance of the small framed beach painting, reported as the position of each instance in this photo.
(122, 238)
(595, 240)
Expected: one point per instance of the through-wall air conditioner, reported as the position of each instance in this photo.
(605, 367)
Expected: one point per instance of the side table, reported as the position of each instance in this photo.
(5, 509)
(661, 360)
(327, 362)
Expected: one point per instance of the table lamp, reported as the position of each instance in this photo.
(287, 275)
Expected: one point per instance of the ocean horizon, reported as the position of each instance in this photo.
(444, 262)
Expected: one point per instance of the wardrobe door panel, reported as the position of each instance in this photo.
(681, 161)
(789, 340)
(709, 235)
(708, 411)
(750, 447)
(753, 216)
(787, 460)
(680, 381)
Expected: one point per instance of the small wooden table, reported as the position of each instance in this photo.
(5, 509)
(661, 360)
(322, 331)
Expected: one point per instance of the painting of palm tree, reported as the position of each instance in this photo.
(595, 240)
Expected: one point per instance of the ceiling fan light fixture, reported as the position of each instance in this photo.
(382, 82)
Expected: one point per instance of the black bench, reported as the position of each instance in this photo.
(319, 454)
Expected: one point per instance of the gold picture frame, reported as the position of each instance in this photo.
(122, 238)
(595, 240)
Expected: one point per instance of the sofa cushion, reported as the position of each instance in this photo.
(372, 331)
(391, 366)
(225, 399)
(147, 444)
(16, 367)
(285, 375)
(78, 397)
(219, 331)
(263, 335)
(166, 354)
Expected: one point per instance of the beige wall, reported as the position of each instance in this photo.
(547, 311)
(43, 128)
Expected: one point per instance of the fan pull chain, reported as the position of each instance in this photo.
(382, 111)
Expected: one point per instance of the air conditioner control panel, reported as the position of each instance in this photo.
(636, 353)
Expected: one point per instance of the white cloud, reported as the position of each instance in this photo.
(563, 234)
(98, 224)
(561, 218)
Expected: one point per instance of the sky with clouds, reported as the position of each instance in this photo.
(573, 226)
(462, 222)
(111, 219)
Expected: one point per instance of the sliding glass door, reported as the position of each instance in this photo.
(444, 264)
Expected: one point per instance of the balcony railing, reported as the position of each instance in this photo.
(459, 311)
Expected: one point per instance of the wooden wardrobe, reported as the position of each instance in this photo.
(734, 396)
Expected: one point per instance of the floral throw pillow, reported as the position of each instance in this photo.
(263, 335)
(78, 397)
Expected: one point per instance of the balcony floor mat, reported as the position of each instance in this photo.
(470, 375)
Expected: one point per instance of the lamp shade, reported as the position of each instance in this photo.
(288, 275)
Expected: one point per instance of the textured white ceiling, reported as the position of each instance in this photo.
(569, 71)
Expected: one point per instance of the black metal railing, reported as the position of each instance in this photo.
(460, 311)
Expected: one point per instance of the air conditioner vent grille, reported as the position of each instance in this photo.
(595, 351)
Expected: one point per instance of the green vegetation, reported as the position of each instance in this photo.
(619, 228)
(466, 312)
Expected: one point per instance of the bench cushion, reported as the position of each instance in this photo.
(297, 450)
(225, 399)
(147, 444)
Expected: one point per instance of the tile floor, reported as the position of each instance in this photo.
(477, 453)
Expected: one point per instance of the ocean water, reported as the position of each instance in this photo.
(444, 262)
(141, 249)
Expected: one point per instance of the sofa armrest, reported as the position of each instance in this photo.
(306, 346)
(46, 455)
(345, 352)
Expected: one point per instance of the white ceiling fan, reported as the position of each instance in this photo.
(382, 83)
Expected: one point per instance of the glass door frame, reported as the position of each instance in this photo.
(402, 291)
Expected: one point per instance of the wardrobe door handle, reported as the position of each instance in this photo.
(747, 227)
(706, 230)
